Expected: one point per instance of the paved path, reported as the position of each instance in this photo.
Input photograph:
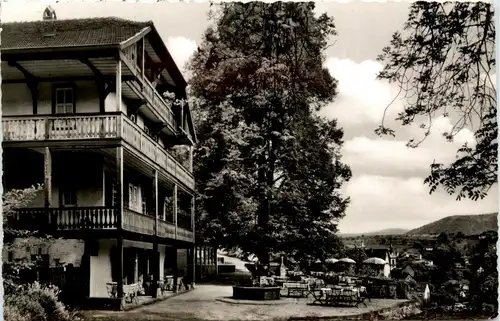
(201, 304)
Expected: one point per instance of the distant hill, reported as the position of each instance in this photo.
(467, 224)
(387, 231)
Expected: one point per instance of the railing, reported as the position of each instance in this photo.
(137, 222)
(135, 136)
(93, 218)
(147, 89)
(110, 125)
(77, 218)
(85, 218)
(60, 127)
(184, 235)
(166, 229)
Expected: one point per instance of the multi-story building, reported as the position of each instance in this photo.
(84, 113)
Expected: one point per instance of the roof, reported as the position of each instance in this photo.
(69, 33)
(380, 253)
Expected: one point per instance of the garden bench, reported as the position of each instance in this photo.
(296, 289)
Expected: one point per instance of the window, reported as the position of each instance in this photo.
(135, 199)
(64, 100)
(68, 197)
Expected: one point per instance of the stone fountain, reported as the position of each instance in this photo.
(262, 288)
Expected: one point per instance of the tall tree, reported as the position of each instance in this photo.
(444, 64)
(268, 169)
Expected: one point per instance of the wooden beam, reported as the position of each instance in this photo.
(143, 58)
(108, 79)
(193, 216)
(111, 87)
(119, 245)
(25, 72)
(130, 41)
(176, 269)
(47, 174)
(59, 53)
(134, 105)
(85, 267)
(191, 149)
(32, 83)
(100, 82)
(175, 208)
(119, 206)
(193, 246)
(119, 85)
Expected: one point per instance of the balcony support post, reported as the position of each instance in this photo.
(175, 209)
(156, 254)
(119, 216)
(118, 83)
(193, 265)
(176, 269)
(47, 175)
(143, 58)
(193, 222)
(191, 150)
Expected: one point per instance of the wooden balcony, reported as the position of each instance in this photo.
(143, 87)
(93, 218)
(93, 127)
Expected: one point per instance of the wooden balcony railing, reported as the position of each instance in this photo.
(64, 218)
(154, 99)
(138, 222)
(146, 89)
(28, 128)
(135, 136)
(166, 229)
(85, 218)
(77, 127)
(93, 218)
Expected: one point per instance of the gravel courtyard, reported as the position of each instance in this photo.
(202, 304)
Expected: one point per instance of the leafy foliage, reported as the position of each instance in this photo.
(35, 302)
(443, 63)
(268, 168)
(484, 273)
(15, 239)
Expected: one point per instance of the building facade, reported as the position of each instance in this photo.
(85, 113)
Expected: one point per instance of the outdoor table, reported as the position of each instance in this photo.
(338, 294)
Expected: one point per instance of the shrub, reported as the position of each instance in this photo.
(37, 303)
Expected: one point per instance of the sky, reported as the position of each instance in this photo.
(386, 189)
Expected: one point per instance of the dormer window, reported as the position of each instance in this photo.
(64, 100)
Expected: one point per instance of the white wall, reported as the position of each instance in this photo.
(110, 103)
(100, 269)
(16, 98)
(162, 249)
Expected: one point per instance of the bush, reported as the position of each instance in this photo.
(36, 303)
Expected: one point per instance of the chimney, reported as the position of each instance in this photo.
(49, 14)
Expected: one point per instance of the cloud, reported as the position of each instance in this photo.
(362, 98)
(379, 202)
(387, 189)
(443, 125)
(181, 49)
(385, 157)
